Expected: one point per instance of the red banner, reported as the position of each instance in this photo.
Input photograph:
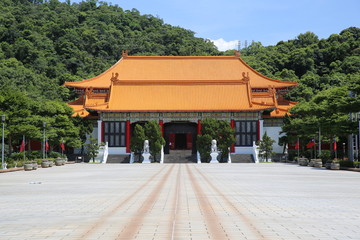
(310, 144)
(22, 146)
(62, 146)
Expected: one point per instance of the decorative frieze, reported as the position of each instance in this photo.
(178, 116)
(245, 115)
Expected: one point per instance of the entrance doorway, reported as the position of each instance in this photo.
(180, 136)
(180, 141)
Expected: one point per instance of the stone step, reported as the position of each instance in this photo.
(242, 158)
(115, 158)
(180, 156)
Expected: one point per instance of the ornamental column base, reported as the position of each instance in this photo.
(214, 156)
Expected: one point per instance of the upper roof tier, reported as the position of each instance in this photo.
(180, 70)
(181, 97)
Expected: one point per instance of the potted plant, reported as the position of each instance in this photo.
(51, 162)
(35, 165)
(45, 163)
(315, 163)
(335, 165)
(303, 161)
(28, 166)
(59, 161)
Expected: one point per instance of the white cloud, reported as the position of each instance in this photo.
(223, 45)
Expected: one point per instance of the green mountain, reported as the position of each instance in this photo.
(44, 43)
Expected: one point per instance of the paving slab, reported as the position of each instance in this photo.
(271, 201)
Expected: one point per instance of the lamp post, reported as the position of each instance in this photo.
(2, 146)
(343, 151)
(44, 125)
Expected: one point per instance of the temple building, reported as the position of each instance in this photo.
(179, 92)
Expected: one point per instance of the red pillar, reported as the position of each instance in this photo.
(161, 124)
(102, 131)
(128, 136)
(199, 127)
(232, 124)
(258, 130)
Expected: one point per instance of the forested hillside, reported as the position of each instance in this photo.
(328, 73)
(317, 64)
(44, 43)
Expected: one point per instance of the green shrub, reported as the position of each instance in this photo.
(17, 156)
(356, 164)
(346, 163)
(54, 155)
(34, 155)
(325, 156)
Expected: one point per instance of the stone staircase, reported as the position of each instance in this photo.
(242, 158)
(180, 156)
(112, 158)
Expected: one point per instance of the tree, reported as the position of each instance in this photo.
(265, 147)
(154, 135)
(219, 130)
(92, 148)
(85, 127)
(137, 140)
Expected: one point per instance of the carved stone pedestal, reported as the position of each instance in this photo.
(146, 157)
(214, 156)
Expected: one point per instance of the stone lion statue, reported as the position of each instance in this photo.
(146, 146)
(213, 146)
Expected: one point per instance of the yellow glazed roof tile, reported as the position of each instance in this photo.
(180, 69)
(179, 97)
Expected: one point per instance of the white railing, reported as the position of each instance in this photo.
(162, 155)
(255, 153)
(131, 158)
(106, 153)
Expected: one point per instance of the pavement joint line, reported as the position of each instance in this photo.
(134, 226)
(113, 211)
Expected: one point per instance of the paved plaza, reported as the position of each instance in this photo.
(180, 201)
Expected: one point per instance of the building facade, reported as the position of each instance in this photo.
(179, 92)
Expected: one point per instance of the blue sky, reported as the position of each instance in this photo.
(265, 21)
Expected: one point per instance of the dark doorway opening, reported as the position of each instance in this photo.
(180, 141)
(180, 136)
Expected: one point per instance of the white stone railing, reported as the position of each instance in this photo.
(162, 155)
(255, 153)
(132, 156)
(103, 154)
(106, 153)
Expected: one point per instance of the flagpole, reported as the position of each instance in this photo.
(44, 125)
(298, 141)
(335, 147)
(24, 147)
(319, 141)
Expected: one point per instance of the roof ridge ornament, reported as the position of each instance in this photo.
(237, 53)
(89, 91)
(114, 78)
(246, 77)
(271, 90)
(125, 53)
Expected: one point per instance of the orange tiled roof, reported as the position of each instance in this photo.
(179, 97)
(79, 106)
(282, 109)
(180, 69)
(179, 84)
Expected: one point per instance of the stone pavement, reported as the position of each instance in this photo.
(180, 201)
